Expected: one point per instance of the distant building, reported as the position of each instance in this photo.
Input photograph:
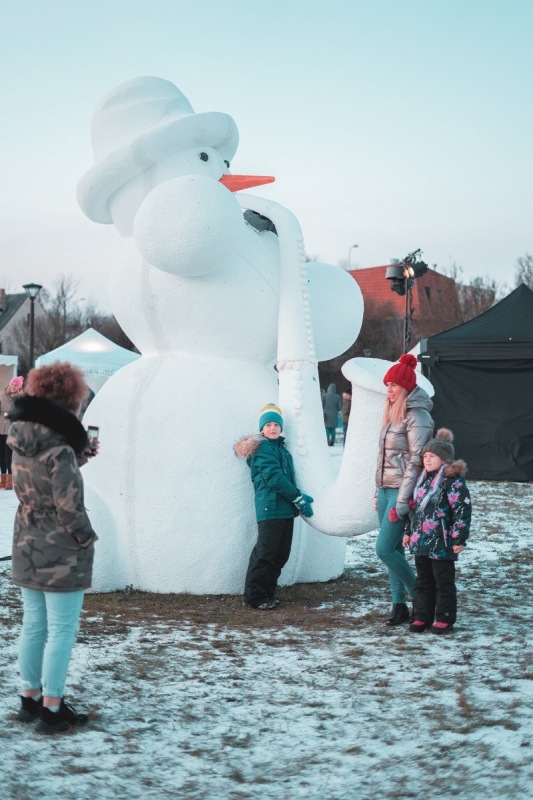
(14, 315)
(436, 304)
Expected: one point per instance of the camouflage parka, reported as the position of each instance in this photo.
(53, 542)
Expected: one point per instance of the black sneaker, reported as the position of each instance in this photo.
(29, 709)
(51, 722)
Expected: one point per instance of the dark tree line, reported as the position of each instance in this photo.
(524, 271)
(64, 319)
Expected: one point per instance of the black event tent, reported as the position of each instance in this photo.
(482, 373)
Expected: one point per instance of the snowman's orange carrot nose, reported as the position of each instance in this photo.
(235, 183)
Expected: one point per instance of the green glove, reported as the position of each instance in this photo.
(303, 504)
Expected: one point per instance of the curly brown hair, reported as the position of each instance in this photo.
(59, 381)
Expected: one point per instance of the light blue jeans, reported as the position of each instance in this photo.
(390, 550)
(49, 628)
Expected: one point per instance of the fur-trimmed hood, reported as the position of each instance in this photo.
(248, 445)
(456, 468)
(39, 423)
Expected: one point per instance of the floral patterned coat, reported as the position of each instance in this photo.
(445, 519)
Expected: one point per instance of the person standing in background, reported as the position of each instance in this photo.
(345, 411)
(332, 404)
(13, 389)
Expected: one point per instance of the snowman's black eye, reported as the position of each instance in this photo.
(226, 163)
(204, 156)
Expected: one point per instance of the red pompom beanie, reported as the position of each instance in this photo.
(403, 373)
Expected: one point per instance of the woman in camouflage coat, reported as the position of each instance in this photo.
(53, 544)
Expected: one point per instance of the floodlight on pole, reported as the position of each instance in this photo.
(32, 290)
(402, 278)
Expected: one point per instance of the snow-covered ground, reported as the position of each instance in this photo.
(316, 700)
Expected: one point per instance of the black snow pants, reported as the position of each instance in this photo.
(268, 558)
(435, 592)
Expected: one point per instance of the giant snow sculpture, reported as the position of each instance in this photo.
(213, 299)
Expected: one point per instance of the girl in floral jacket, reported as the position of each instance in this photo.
(437, 533)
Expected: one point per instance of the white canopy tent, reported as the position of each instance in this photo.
(8, 369)
(98, 357)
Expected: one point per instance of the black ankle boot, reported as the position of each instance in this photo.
(400, 614)
(29, 709)
(51, 722)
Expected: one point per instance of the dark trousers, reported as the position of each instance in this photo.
(268, 558)
(435, 592)
(5, 454)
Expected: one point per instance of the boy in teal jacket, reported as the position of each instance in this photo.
(277, 502)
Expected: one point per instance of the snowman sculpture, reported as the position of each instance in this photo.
(216, 293)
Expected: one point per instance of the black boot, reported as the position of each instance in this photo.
(400, 614)
(29, 709)
(51, 722)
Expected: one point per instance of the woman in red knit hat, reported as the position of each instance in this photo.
(407, 426)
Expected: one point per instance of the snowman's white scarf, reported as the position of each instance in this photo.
(433, 489)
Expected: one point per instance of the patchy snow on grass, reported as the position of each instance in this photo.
(314, 700)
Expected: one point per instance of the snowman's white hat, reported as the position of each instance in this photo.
(138, 124)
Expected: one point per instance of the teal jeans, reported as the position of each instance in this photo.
(390, 550)
(49, 628)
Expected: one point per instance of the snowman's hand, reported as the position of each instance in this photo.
(189, 226)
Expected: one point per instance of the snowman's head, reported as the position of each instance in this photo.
(126, 201)
(144, 123)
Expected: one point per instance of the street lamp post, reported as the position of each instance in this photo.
(32, 290)
(350, 253)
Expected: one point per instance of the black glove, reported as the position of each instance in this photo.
(303, 504)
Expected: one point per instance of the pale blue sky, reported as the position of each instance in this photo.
(393, 124)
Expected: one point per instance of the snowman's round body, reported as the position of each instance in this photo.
(172, 504)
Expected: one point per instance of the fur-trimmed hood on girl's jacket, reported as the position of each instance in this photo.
(456, 468)
(53, 544)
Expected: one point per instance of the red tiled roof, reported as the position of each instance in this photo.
(433, 293)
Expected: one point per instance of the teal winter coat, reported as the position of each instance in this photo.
(272, 474)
